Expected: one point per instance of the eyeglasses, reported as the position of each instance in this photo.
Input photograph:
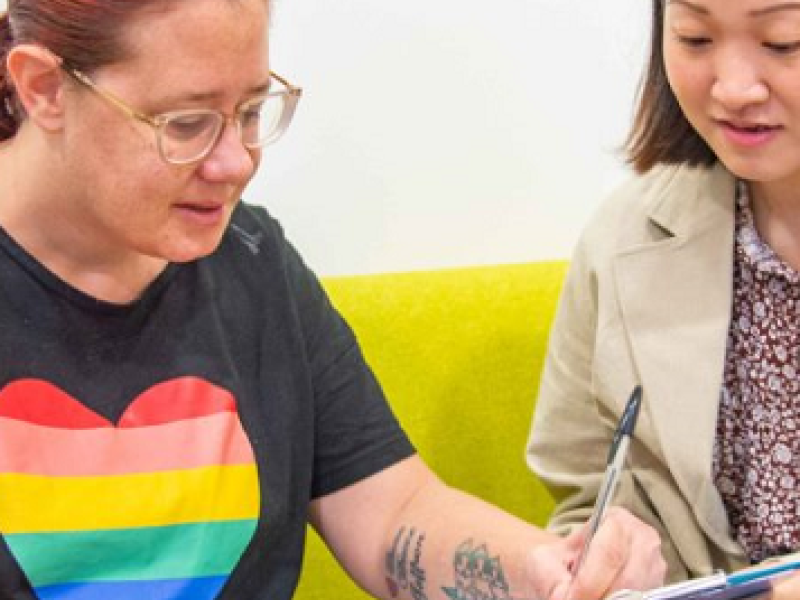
(188, 136)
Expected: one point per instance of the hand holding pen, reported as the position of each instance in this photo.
(614, 552)
(626, 553)
(603, 536)
(614, 465)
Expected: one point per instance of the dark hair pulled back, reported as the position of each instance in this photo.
(8, 122)
(86, 34)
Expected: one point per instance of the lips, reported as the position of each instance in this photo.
(749, 127)
(202, 207)
(747, 134)
(202, 214)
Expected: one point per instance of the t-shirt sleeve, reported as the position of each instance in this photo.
(356, 435)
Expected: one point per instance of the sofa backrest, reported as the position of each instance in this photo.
(459, 353)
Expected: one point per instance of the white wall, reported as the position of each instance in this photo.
(449, 132)
(437, 133)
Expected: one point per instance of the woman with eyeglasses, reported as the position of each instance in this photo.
(177, 396)
(687, 282)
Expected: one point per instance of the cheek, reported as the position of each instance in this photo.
(785, 88)
(689, 81)
(137, 194)
(113, 168)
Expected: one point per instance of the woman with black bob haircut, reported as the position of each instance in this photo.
(687, 282)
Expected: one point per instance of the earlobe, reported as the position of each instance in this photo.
(39, 81)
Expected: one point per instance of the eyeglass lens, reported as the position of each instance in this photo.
(189, 135)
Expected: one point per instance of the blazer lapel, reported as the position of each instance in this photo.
(675, 298)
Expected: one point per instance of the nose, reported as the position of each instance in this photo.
(738, 81)
(229, 160)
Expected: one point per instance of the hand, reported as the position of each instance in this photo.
(625, 554)
(784, 588)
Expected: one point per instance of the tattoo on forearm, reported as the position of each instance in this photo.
(403, 573)
(478, 575)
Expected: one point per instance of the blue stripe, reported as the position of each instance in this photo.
(201, 588)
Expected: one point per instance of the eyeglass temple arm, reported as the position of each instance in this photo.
(84, 80)
(294, 90)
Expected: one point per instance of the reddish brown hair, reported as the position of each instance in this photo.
(661, 134)
(85, 33)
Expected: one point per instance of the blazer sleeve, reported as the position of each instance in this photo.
(574, 420)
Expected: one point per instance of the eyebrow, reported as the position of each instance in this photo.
(690, 5)
(775, 8)
(761, 12)
(216, 95)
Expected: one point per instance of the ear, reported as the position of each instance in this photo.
(39, 83)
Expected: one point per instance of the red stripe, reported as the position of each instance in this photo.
(178, 399)
(42, 403)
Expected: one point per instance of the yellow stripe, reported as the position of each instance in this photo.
(31, 504)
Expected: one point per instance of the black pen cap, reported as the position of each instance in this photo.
(628, 420)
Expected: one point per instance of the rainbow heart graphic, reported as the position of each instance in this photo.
(161, 506)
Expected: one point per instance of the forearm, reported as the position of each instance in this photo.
(447, 544)
(404, 535)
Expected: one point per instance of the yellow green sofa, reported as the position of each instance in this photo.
(458, 353)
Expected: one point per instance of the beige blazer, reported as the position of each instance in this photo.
(647, 300)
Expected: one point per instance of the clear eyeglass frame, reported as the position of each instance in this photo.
(188, 136)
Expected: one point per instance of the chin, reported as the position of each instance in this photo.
(191, 250)
(748, 168)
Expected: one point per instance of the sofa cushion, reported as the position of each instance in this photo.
(459, 353)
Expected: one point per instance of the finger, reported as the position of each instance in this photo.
(563, 591)
(548, 569)
(629, 551)
(573, 545)
(784, 588)
(603, 562)
(645, 567)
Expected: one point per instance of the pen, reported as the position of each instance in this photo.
(614, 466)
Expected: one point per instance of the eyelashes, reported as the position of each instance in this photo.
(699, 42)
(783, 47)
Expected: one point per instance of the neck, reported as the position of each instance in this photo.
(776, 211)
(114, 286)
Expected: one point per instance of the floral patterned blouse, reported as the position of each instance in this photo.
(757, 450)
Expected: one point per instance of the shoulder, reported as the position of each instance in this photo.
(667, 201)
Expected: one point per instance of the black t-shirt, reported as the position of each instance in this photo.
(169, 448)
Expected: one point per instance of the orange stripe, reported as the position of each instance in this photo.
(205, 441)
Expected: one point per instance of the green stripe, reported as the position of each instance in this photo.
(176, 551)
